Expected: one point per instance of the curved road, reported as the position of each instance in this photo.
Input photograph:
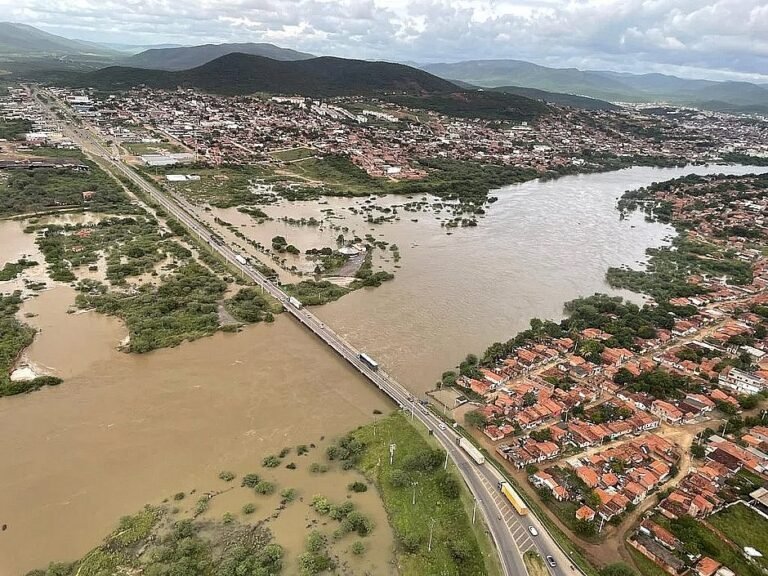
(510, 532)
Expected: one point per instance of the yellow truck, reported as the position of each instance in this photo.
(514, 499)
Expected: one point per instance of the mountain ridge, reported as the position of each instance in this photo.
(188, 57)
(23, 40)
(608, 85)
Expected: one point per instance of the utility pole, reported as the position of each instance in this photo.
(413, 500)
(431, 526)
(474, 510)
(445, 464)
(392, 453)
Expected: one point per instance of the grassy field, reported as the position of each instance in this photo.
(455, 541)
(293, 154)
(744, 527)
(698, 538)
(224, 186)
(534, 564)
(644, 565)
(141, 148)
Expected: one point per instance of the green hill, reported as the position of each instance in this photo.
(475, 104)
(581, 102)
(186, 57)
(246, 74)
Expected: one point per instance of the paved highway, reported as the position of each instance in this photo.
(510, 532)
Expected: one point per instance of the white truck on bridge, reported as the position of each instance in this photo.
(294, 302)
(469, 448)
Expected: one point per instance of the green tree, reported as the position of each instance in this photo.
(476, 418)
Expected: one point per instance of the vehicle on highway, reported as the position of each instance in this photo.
(442, 426)
(514, 499)
(295, 302)
(370, 362)
(469, 448)
(533, 531)
(551, 561)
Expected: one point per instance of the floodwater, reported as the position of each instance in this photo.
(540, 245)
(125, 430)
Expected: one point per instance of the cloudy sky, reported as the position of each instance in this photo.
(718, 39)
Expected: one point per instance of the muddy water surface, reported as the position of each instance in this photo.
(125, 430)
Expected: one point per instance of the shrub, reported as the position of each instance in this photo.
(264, 488)
(249, 508)
(410, 543)
(271, 461)
(321, 504)
(226, 475)
(341, 511)
(202, 505)
(358, 487)
(399, 478)
(315, 541)
(357, 522)
(358, 548)
(179, 496)
(289, 494)
(250, 480)
(448, 484)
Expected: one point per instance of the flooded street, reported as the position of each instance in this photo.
(125, 430)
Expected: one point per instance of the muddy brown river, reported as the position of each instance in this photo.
(125, 430)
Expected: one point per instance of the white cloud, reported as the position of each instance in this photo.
(704, 38)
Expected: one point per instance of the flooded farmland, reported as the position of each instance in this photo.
(125, 430)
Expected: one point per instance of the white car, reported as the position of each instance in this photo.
(442, 426)
(533, 531)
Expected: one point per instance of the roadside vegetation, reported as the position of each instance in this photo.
(249, 305)
(417, 466)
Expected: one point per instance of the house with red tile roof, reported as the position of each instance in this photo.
(585, 513)
(666, 411)
(707, 566)
(588, 476)
(494, 378)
